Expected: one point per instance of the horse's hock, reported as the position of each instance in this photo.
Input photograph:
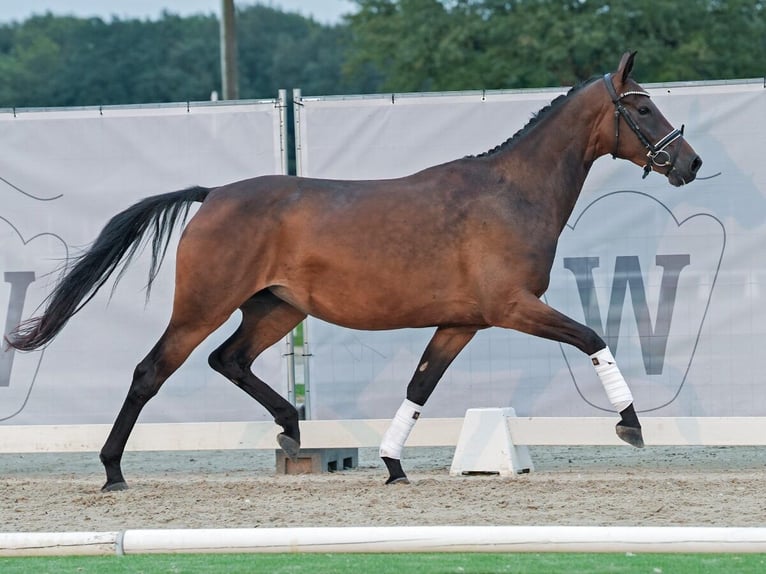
(317, 460)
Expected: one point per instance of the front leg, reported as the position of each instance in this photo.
(618, 393)
(444, 346)
(529, 314)
(393, 440)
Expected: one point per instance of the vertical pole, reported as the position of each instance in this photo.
(229, 78)
(283, 141)
(306, 355)
(297, 130)
(306, 372)
(289, 338)
(290, 356)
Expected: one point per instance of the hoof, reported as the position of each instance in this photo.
(289, 445)
(631, 435)
(399, 480)
(115, 486)
(395, 473)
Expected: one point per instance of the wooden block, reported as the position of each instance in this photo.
(318, 460)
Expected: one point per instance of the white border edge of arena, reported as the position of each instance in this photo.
(398, 539)
(359, 433)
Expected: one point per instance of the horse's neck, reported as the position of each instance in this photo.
(558, 154)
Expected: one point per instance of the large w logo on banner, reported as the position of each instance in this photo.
(19, 282)
(643, 280)
(23, 262)
(627, 273)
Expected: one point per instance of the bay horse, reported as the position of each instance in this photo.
(461, 246)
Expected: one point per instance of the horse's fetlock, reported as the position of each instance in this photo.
(287, 422)
(629, 418)
(108, 459)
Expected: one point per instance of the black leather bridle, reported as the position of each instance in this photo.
(657, 153)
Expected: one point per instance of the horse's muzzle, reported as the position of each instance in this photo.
(683, 172)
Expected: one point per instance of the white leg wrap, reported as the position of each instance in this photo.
(614, 384)
(399, 429)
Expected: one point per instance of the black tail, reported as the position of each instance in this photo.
(118, 242)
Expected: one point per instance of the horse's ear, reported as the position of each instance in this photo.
(626, 65)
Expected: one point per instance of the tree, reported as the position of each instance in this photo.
(278, 50)
(387, 45)
(49, 60)
(473, 44)
(63, 61)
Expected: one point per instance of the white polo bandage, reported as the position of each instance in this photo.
(614, 384)
(393, 441)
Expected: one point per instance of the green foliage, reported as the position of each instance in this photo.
(278, 50)
(386, 45)
(470, 44)
(50, 61)
(64, 61)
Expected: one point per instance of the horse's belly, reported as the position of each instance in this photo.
(381, 309)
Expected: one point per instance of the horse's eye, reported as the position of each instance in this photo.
(643, 110)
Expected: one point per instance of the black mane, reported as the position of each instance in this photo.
(537, 117)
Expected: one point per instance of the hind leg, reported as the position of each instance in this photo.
(444, 346)
(265, 320)
(168, 354)
(530, 315)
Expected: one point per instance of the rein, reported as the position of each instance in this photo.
(656, 154)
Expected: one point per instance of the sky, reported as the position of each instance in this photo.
(324, 11)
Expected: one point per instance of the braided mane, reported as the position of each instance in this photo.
(536, 118)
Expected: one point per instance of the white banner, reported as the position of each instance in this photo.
(676, 273)
(63, 174)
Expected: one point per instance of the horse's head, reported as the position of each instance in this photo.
(650, 140)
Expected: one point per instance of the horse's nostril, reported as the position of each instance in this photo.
(696, 164)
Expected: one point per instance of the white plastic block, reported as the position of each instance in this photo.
(485, 445)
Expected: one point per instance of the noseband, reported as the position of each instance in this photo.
(656, 153)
